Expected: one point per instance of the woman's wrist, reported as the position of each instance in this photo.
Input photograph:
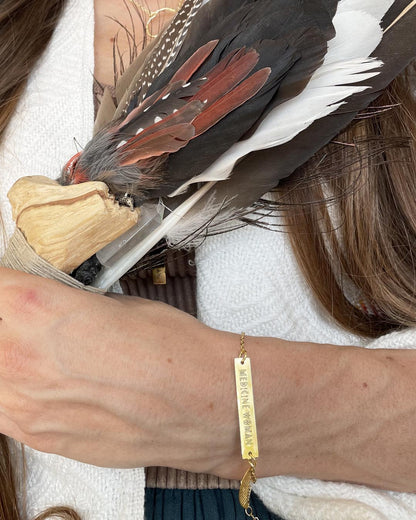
(336, 413)
(264, 354)
(132, 383)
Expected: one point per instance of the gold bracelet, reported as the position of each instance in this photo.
(247, 420)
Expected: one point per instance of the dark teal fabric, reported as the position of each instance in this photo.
(207, 504)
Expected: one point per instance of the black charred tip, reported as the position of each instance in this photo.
(87, 271)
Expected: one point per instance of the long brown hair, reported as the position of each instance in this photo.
(351, 215)
(26, 27)
(364, 236)
(25, 30)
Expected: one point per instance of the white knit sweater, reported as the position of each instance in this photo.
(264, 295)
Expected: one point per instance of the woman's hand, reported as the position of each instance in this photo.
(117, 381)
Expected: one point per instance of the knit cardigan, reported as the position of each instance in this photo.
(265, 295)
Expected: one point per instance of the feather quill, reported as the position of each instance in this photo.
(403, 13)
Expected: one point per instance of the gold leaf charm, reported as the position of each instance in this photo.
(245, 489)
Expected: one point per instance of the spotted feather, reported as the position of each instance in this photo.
(165, 51)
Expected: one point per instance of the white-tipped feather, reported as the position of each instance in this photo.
(347, 62)
(357, 35)
(376, 8)
(185, 232)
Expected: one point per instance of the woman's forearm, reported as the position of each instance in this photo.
(127, 382)
(336, 413)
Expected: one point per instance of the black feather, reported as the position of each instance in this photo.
(394, 12)
(269, 166)
(291, 39)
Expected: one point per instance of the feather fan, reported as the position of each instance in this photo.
(236, 95)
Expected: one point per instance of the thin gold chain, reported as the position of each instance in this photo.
(243, 351)
(152, 15)
(250, 514)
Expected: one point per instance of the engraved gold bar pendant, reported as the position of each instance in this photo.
(246, 414)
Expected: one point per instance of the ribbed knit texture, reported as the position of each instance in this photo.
(207, 504)
(179, 289)
(170, 478)
(247, 280)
